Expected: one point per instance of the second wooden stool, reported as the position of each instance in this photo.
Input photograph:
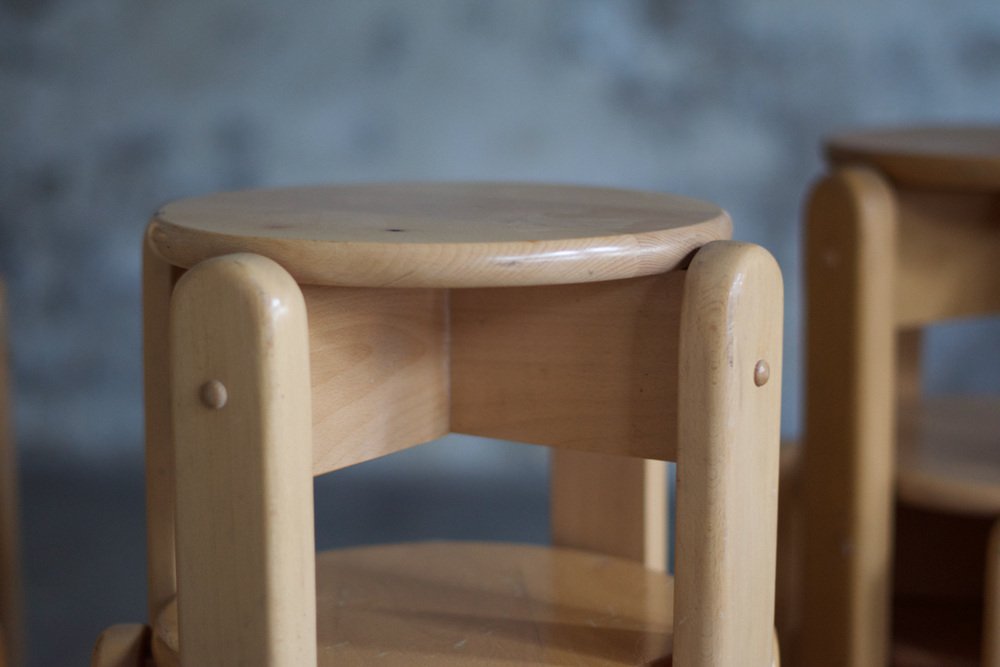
(903, 232)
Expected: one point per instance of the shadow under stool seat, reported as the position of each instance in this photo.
(310, 329)
(903, 232)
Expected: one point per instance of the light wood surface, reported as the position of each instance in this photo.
(443, 235)
(966, 158)
(122, 646)
(903, 233)
(158, 279)
(727, 458)
(245, 545)
(379, 371)
(848, 460)
(651, 365)
(442, 603)
(936, 595)
(11, 621)
(947, 253)
(949, 454)
(589, 367)
(610, 505)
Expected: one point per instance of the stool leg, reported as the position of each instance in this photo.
(157, 286)
(991, 601)
(241, 408)
(727, 459)
(848, 457)
(121, 646)
(611, 505)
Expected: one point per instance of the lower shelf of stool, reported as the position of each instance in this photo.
(949, 458)
(441, 603)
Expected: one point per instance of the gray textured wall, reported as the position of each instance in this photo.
(109, 108)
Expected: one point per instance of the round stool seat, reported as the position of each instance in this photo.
(965, 158)
(443, 235)
(949, 454)
(462, 603)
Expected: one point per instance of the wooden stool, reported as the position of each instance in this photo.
(11, 634)
(903, 232)
(312, 329)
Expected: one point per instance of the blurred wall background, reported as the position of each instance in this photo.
(112, 107)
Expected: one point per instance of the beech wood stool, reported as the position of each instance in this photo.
(11, 633)
(311, 329)
(903, 232)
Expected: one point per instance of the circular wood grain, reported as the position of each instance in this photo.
(443, 235)
(949, 454)
(965, 158)
(444, 604)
